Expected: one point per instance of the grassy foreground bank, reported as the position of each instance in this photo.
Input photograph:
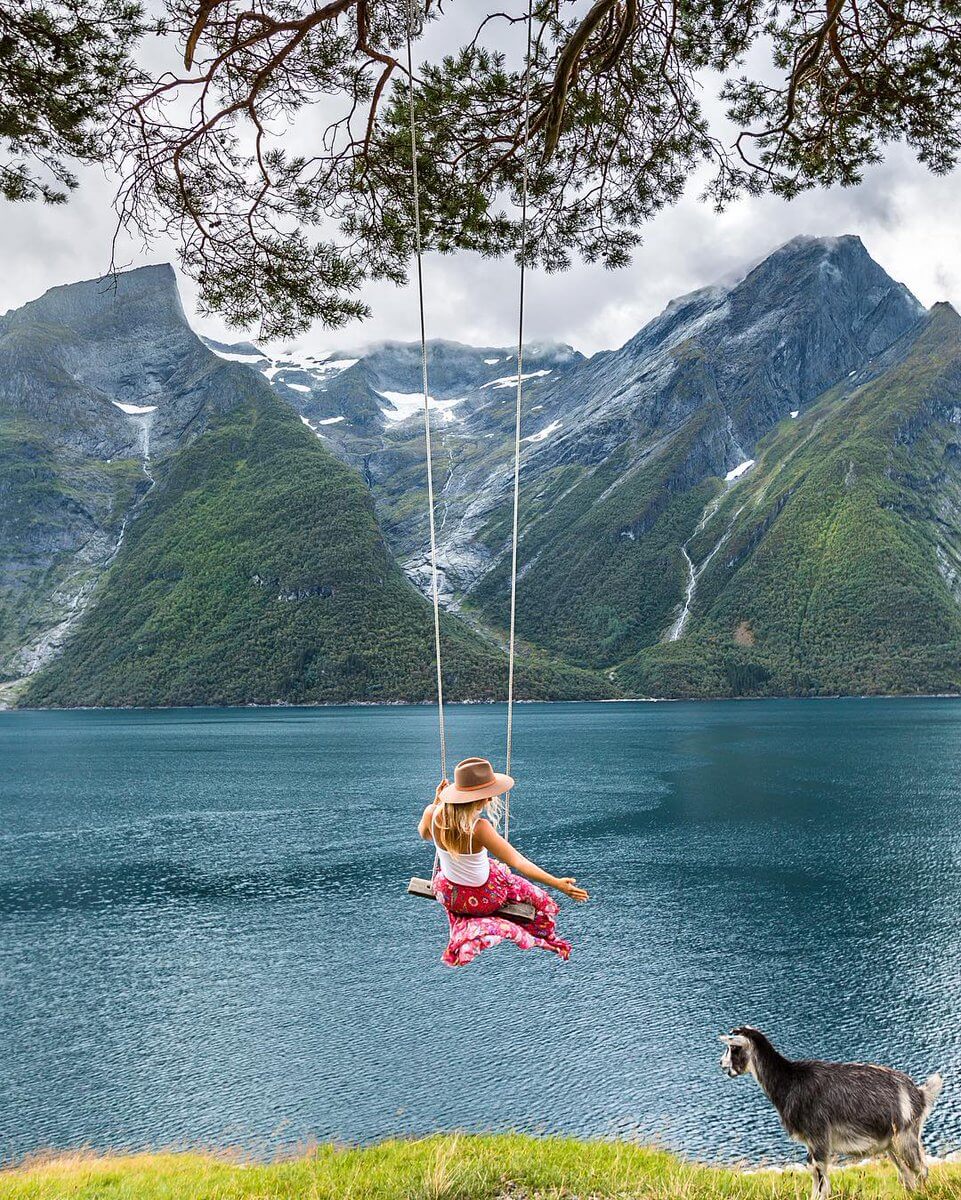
(449, 1167)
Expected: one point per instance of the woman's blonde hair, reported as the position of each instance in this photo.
(453, 824)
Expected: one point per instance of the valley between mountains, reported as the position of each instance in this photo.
(758, 494)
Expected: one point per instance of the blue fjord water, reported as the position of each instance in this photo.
(204, 937)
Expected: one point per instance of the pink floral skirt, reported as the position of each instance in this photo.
(474, 925)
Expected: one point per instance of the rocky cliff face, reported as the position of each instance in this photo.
(833, 565)
(644, 430)
(100, 382)
(619, 449)
(806, 317)
(170, 533)
(758, 493)
(85, 358)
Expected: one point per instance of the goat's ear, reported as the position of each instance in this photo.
(736, 1039)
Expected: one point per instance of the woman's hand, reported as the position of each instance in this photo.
(440, 787)
(569, 887)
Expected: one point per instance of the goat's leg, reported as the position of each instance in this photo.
(905, 1174)
(819, 1160)
(922, 1159)
(908, 1155)
(924, 1162)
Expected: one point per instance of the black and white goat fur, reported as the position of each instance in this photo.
(838, 1108)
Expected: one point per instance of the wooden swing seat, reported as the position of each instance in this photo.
(521, 912)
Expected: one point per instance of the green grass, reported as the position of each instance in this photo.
(448, 1167)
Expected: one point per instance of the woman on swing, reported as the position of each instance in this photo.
(472, 886)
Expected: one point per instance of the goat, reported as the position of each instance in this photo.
(838, 1108)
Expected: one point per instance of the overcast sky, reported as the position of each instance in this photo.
(908, 220)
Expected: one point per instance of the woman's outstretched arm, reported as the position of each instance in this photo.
(486, 835)
(424, 825)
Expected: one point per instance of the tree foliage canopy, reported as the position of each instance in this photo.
(62, 63)
(618, 125)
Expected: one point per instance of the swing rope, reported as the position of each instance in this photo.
(424, 382)
(418, 248)
(517, 412)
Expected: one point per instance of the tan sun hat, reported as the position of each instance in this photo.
(475, 779)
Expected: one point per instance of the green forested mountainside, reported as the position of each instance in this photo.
(267, 562)
(606, 572)
(96, 382)
(256, 572)
(633, 444)
(841, 558)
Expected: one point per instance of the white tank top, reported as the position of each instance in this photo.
(469, 870)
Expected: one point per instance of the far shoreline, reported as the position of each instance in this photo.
(323, 704)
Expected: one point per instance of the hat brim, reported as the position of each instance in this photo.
(452, 794)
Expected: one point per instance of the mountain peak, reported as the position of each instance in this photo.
(840, 248)
(111, 303)
(96, 359)
(154, 277)
(832, 281)
(827, 243)
(802, 255)
(940, 330)
(946, 311)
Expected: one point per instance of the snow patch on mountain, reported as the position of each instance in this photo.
(134, 410)
(230, 356)
(545, 433)
(407, 404)
(739, 470)
(320, 364)
(507, 381)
